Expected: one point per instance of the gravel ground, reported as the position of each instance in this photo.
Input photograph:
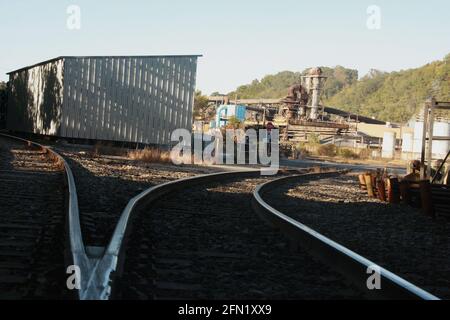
(206, 242)
(399, 238)
(105, 184)
(31, 224)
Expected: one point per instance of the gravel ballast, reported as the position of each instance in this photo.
(105, 185)
(396, 237)
(206, 242)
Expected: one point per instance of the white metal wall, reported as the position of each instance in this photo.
(133, 99)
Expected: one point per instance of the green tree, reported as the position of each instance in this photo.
(200, 104)
(233, 123)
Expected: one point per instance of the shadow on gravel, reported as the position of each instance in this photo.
(101, 200)
(397, 237)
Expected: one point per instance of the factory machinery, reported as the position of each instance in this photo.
(301, 113)
(298, 115)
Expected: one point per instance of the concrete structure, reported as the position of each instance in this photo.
(119, 98)
(407, 146)
(389, 142)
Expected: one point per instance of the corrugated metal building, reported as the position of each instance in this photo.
(118, 98)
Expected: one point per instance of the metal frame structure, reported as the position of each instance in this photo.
(427, 138)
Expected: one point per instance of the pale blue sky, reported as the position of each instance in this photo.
(240, 40)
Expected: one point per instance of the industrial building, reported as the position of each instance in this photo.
(138, 99)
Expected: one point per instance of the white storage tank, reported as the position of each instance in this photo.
(407, 146)
(408, 142)
(418, 132)
(440, 148)
(389, 145)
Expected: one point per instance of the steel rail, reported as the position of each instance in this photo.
(109, 268)
(350, 264)
(101, 283)
(76, 253)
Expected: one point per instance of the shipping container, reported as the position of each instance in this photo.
(139, 99)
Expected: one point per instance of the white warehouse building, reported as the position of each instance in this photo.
(139, 99)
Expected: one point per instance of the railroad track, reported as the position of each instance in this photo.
(32, 220)
(196, 237)
(348, 263)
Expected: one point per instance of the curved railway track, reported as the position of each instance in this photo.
(191, 238)
(32, 219)
(198, 238)
(350, 264)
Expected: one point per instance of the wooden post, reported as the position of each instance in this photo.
(429, 154)
(424, 141)
(381, 190)
(393, 190)
(362, 182)
(374, 185)
(426, 198)
(368, 180)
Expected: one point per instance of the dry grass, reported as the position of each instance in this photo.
(108, 150)
(328, 150)
(347, 153)
(151, 155)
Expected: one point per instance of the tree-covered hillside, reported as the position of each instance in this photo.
(394, 96)
(276, 86)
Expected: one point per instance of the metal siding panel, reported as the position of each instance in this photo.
(81, 133)
(115, 122)
(125, 96)
(96, 94)
(64, 115)
(185, 93)
(118, 111)
(151, 100)
(104, 84)
(179, 106)
(91, 100)
(157, 97)
(85, 97)
(154, 101)
(190, 95)
(165, 101)
(125, 88)
(170, 99)
(140, 106)
(100, 76)
(163, 114)
(193, 66)
(79, 92)
(173, 105)
(112, 98)
(133, 119)
(70, 79)
(71, 103)
(127, 102)
(105, 95)
(145, 101)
